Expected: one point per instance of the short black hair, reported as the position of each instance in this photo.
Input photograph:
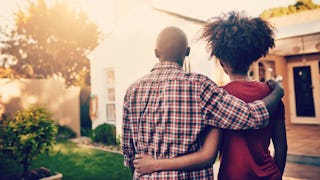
(238, 40)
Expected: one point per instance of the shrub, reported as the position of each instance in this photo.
(87, 132)
(64, 133)
(28, 134)
(105, 133)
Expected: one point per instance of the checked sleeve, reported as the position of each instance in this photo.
(127, 143)
(223, 110)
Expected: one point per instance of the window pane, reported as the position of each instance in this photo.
(111, 112)
(111, 94)
(110, 76)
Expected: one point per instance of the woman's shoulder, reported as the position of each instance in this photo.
(247, 88)
(246, 84)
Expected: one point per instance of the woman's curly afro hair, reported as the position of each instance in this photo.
(238, 40)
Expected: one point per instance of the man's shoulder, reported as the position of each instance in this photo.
(199, 77)
(183, 76)
(190, 76)
(136, 83)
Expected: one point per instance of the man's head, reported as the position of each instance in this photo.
(172, 45)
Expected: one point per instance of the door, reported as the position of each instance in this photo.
(304, 92)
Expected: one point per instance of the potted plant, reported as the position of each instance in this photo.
(28, 134)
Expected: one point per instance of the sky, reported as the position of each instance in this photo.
(101, 11)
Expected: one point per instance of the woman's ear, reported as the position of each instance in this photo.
(221, 63)
(224, 67)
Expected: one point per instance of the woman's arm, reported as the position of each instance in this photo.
(145, 164)
(279, 138)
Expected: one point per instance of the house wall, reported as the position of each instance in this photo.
(281, 70)
(129, 49)
(48, 93)
(307, 58)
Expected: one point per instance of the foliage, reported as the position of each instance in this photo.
(87, 132)
(28, 134)
(74, 162)
(49, 41)
(64, 133)
(300, 5)
(105, 133)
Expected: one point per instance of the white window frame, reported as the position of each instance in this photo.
(111, 117)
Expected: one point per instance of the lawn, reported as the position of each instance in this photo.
(74, 163)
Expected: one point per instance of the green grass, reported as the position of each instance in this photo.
(74, 163)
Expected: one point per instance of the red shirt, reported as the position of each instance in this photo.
(245, 154)
(166, 111)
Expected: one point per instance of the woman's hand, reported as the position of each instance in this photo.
(144, 164)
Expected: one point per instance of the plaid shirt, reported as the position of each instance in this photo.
(165, 112)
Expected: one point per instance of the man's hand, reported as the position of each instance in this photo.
(144, 164)
(276, 86)
(274, 97)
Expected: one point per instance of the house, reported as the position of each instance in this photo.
(297, 59)
(127, 53)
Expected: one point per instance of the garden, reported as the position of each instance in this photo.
(33, 146)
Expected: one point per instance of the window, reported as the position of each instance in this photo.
(263, 70)
(111, 96)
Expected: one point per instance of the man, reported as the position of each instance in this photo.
(166, 112)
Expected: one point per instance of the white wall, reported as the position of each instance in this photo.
(130, 50)
(51, 94)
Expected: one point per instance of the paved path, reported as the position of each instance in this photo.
(304, 140)
(303, 160)
(302, 171)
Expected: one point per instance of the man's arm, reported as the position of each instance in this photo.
(223, 110)
(273, 99)
(279, 138)
(127, 144)
(205, 157)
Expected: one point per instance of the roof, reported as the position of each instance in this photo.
(295, 33)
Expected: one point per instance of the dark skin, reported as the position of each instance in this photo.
(172, 45)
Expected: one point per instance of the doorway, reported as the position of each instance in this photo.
(304, 92)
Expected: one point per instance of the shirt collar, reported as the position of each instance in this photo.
(166, 65)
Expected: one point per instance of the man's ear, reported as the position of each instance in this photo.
(156, 53)
(187, 51)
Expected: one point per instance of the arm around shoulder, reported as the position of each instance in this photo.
(204, 157)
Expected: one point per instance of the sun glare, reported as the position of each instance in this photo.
(100, 12)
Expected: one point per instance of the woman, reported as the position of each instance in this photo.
(236, 41)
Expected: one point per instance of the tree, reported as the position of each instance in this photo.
(50, 41)
(28, 134)
(300, 5)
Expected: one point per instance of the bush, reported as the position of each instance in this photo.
(64, 133)
(28, 134)
(105, 133)
(87, 132)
